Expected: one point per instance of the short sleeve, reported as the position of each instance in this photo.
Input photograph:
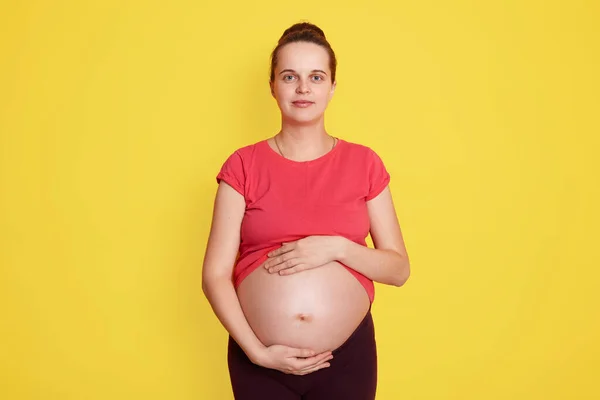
(232, 172)
(378, 175)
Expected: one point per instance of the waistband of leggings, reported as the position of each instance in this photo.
(363, 324)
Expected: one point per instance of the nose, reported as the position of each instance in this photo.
(302, 87)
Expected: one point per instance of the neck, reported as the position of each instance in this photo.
(302, 142)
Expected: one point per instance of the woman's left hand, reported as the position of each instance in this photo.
(307, 253)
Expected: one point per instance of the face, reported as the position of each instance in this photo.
(302, 82)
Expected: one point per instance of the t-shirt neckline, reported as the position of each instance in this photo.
(293, 162)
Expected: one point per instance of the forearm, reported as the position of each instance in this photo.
(380, 265)
(225, 304)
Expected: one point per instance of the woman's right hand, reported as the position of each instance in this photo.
(293, 361)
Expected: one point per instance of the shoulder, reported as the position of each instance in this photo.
(237, 166)
(361, 151)
(244, 156)
(249, 150)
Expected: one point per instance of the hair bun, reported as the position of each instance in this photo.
(304, 26)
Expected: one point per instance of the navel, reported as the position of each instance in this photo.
(304, 317)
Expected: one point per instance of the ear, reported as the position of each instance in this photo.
(272, 90)
(332, 90)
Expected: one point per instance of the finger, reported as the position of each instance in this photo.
(299, 364)
(309, 371)
(284, 265)
(277, 260)
(302, 353)
(293, 270)
(307, 353)
(274, 253)
(281, 250)
(322, 361)
(270, 263)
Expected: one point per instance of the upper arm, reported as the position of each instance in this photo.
(224, 238)
(385, 228)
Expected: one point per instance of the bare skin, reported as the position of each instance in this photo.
(316, 309)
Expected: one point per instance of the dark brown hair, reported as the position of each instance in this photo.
(304, 32)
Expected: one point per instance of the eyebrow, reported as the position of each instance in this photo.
(314, 70)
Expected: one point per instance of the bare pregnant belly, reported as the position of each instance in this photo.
(316, 309)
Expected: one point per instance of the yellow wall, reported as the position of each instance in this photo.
(114, 120)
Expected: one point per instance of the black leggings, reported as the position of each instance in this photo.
(352, 374)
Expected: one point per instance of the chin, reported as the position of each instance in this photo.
(304, 119)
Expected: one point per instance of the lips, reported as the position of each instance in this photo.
(302, 103)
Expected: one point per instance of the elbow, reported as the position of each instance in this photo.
(211, 282)
(207, 285)
(400, 281)
(403, 274)
(204, 286)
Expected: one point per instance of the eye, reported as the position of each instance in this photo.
(318, 78)
(288, 78)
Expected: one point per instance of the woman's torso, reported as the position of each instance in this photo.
(286, 200)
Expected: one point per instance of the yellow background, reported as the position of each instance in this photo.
(116, 116)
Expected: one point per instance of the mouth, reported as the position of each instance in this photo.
(302, 103)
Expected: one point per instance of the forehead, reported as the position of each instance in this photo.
(303, 56)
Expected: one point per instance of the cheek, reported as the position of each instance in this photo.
(324, 96)
(283, 94)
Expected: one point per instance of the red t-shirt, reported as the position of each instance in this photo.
(288, 200)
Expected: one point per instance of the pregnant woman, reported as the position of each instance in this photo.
(287, 270)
